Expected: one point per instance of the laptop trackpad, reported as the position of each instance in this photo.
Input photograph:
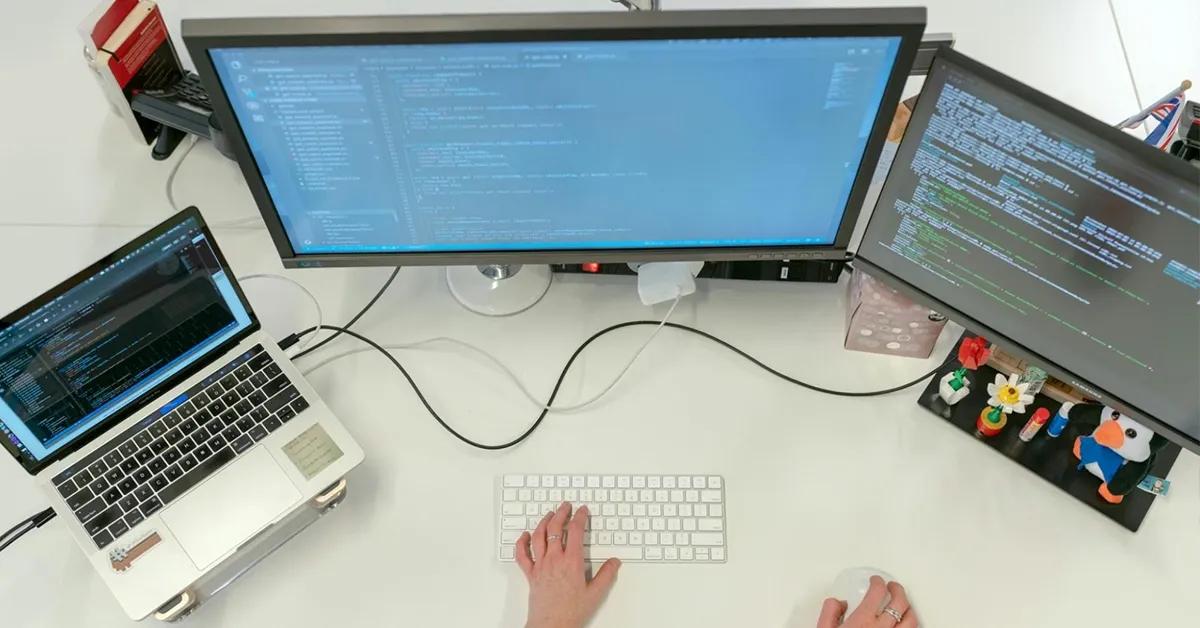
(230, 507)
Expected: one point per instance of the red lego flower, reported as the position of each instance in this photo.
(973, 352)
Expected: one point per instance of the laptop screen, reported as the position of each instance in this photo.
(101, 342)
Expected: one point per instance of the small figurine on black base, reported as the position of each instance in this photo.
(1006, 397)
(972, 353)
(1120, 451)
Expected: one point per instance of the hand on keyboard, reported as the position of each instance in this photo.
(560, 595)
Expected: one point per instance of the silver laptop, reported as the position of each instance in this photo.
(166, 428)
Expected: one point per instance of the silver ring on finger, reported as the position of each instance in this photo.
(550, 538)
(895, 614)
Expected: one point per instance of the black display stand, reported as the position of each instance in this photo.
(1050, 458)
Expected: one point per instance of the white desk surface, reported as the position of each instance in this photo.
(815, 483)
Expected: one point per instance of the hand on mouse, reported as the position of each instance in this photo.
(560, 595)
(868, 614)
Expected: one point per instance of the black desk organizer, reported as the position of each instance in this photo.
(1049, 458)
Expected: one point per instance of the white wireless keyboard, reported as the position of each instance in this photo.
(637, 518)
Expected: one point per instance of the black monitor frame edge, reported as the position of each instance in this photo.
(136, 405)
(202, 35)
(1138, 149)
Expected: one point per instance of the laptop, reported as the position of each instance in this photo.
(166, 428)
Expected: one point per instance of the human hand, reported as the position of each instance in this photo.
(560, 595)
(870, 613)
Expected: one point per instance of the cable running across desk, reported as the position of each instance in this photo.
(570, 361)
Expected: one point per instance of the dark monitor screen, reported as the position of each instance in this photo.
(632, 141)
(1039, 224)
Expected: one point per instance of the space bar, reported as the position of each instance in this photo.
(193, 477)
(599, 553)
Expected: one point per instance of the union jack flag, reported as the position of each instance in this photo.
(1168, 114)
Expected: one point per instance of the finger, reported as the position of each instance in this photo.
(538, 544)
(831, 613)
(524, 559)
(910, 619)
(556, 526)
(871, 603)
(898, 603)
(604, 579)
(576, 530)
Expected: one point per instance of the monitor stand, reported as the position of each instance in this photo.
(499, 289)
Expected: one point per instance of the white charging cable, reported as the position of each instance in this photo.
(308, 339)
(508, 371)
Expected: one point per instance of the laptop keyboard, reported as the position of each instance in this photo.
(150, 465)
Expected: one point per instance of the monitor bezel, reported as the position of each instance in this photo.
(138, 404)
(1133, 147)
(202, 35)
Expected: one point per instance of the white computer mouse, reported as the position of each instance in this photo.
(851, 585)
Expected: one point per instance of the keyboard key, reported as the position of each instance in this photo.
(141, 475)
(230, 433)
(173, 473)
(128, 502)
(243, 407)
(215, 443)
(98, 468)
(245, 388)
(241, 443)
(200, 399)
(256, 398)
(143, 455)
(142, 439)
(202, 453)
(144, 492)
(259, 414)
(186, 410)
(257, 432)
(272, 423)
(217, 407)
(187, 463)
(202, 417)
(201, 434)
(245, 423)
(128, 448)
(151, 506)
(299, 405)
(118, 528)
(193, 477)
(102, 520)
(229, 381)
(230, 397)
(82, 478)
(258, 379)
(259, 361)
(102, 539)
(243, 372)
(172, 419)
(98, 485)
(114, 475)
(158, 446)
(80, 497)
(157, 465)
(90, 509)
(283, 398)
(601, 553)
(67, 488)
(172, 456)
(187, 427)
(126, 485)
(274, 386)
(710, 497)
(112, 458)
(229, 417)
(158, 429)
(213, 393)
(284, 415)
(186, 446)
(129, 465)
(173, 436)
(133, 518)
(159, 482)
(272, 370)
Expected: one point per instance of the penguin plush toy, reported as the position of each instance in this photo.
(1120, 451)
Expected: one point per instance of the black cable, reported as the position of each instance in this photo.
(566, 368)
(354, 320)
(35, 521)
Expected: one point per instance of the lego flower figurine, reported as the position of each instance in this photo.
(1006, 397)
(972, 353)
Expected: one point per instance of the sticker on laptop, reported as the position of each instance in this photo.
(312, 451)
